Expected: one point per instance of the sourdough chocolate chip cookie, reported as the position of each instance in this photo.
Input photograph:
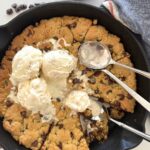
(48, 100)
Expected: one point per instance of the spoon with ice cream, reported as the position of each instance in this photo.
(95, 55)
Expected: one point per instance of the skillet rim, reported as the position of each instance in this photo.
(131, 34)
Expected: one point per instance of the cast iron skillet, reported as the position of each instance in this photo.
(119, 139)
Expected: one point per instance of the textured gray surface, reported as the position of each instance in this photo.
(136, 14)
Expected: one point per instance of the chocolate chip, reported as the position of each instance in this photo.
(55, 37)
(123, 78)
(97, 73)
(36, 4)
(10, 59)
(110, 46)
(102, 82)
(60, 145)
(9, 11)
(129, 96)
(17, 9)
(96, 91)
(14, 5)
(58, 99)
(60, 126)
(43, 136)
(109, 91)
(22, 6)
(101, 99)
(31, 6)
(40, 115)
(92, 80)
(72, 136)
(84, 71)
(10, 121)
(120, 113)
(34, 144)
(121, 96)
(9, 103)
(117, 104)
(23, 114)
(76, 80)
(110, 81)
(88, 113)
(74, 41)
(73, 25)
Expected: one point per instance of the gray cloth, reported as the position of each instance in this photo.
(136, 14)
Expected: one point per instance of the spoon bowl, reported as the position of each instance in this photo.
(93, 50)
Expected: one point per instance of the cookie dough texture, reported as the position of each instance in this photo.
(28, 129)
(67, 133)
(25, 127)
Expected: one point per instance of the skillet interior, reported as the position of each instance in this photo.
(119, 139)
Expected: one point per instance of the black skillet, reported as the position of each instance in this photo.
(119, 139)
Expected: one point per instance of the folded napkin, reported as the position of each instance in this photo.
(135, 14)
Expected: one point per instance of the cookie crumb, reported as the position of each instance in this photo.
(17, 9)
(22, 6)
(95, 21)
(31, 6)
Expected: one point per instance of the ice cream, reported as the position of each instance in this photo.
(58, 64)
(56, 67)
(26, 64)
(77, 100)
(40, 77)
(97, 110)
(33, 95)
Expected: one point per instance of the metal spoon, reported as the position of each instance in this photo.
(131, 129)
(94, 55)
(104, 54)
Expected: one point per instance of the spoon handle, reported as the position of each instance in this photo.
(143, 73)
(134, 94)
(141, 134)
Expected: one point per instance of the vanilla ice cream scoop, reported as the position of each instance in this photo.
(56, 67)
(33, 95)
(26, 64)
(77, 100)
(58, 64)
